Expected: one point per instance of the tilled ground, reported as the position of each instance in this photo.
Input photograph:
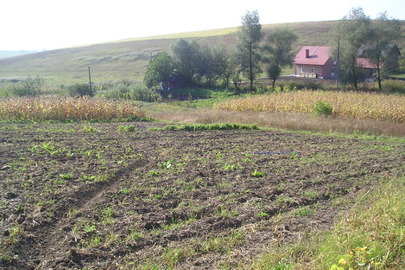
(91, 196)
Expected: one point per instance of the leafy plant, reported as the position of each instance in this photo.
(322, 109)
(257, 174)
(129, 128)
(81, 90)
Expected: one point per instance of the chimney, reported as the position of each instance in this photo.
(306, 53)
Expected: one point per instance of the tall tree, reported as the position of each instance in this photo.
(187, 57)
(160, 69)
(278, 51)
(380, 50)
(249, 36)
(349, 35)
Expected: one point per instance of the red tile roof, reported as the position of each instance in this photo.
(318, 55)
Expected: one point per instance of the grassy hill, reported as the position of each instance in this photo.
(127, 59)
(5, 54)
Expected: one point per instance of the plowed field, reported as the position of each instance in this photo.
(92, 196)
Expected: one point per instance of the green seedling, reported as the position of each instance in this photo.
(257, 174)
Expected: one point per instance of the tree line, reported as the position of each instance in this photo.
(356, 35)
(190, 64)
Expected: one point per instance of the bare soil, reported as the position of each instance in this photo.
(89, 196)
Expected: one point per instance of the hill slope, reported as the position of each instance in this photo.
(127, 59)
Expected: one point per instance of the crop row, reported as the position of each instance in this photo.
(359, 105)
(62, 109)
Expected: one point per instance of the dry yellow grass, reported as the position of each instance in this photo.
(359, 105)
(61, 109)
(285, 120)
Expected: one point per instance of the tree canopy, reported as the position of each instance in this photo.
(249, 36)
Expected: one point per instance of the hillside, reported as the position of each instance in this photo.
(5, 54)
(127, 59)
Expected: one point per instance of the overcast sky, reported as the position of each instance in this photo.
(52, 24)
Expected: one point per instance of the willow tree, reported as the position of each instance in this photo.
(278, 52)
(380, 49)
(249, 36)
(349, 35)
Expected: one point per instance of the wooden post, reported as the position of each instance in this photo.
(90, 79)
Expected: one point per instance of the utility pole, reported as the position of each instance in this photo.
(90, 80)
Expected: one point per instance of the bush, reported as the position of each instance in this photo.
(120, 91)
(141, 93)
(137, 91)
(81, 90)
(322, 109)
(30, 87)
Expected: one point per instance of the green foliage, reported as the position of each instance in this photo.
(128, 128)
(198, 127)
(81, 90)
(30, 87)
(142, 93)
(136, 91)
(279, 52)
(347, 37)
(160, 69)
(322, 109)
(249, 36)
(257, 174)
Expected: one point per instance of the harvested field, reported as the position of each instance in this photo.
(99, 196)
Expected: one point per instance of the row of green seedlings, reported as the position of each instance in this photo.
(198, 127)
(194, 127)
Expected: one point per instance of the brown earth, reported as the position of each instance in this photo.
(89, 196)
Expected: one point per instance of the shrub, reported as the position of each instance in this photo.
(322, 109)
(141, 93)
(129, 128)
(137, 91)
(29, 87)
(119, 91)
(81, 90)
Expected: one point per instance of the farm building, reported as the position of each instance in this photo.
(314, 62)
(391, 53)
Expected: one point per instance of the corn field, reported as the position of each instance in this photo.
(62, 109)
(358, 105)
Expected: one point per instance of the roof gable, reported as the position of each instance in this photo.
(318, 55)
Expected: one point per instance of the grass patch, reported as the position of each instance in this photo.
(370, 236)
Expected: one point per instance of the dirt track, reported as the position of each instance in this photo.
(76, 196)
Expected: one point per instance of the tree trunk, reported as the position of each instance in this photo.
(251, 66)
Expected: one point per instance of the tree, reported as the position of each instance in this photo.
(187, 57)
(379, 50)
(279, 52)
(160, 69)
(348, 36)
(249, 36)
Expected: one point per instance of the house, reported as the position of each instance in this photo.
(314, 62)
(390, 54)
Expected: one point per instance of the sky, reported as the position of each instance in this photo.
(52, 24)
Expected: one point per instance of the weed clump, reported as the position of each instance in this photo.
(322, 109)
(199, 127)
